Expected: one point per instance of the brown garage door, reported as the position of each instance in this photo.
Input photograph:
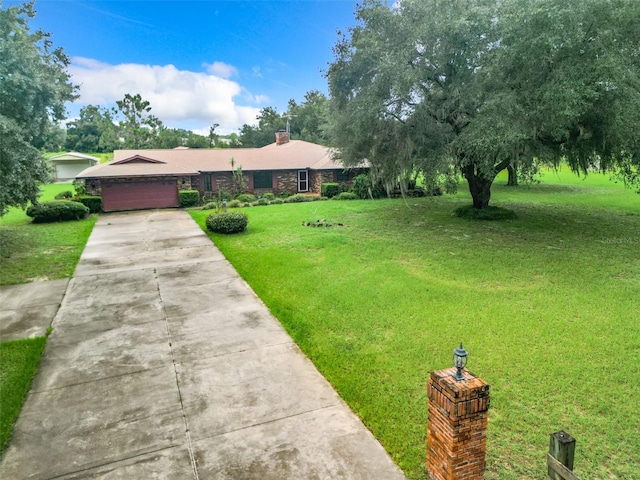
(139, 195)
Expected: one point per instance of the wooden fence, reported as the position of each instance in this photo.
(562, 448)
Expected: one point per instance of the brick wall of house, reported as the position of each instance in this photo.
(283, 180)
(94, 187)
(222, 181)
(189, 183)
(457, 426)
(318, 177)
(286, 180)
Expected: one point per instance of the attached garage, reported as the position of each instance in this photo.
(137, 195)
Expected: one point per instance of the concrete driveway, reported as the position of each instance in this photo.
(164, 364)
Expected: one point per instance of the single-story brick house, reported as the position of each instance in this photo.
(67, 166)
(138, 179)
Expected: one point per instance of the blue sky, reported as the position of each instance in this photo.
(197, 62)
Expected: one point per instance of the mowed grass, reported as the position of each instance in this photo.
(44, 251)
(31, 252)
(18, 363)
(548, 306)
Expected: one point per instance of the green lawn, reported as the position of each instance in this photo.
(547, 305)
(31, 252)
(18, 363)
(43, 251)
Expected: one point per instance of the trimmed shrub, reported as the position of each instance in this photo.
(57, 211)
(488, 213)
(345, 196)
(230, 222)
(234, 204)
(285, 194)
(246, 198)
(67, 194)
(330, 190)
(297, 198)
(262, 201)
(277, 201)
(188, 198)
(209, 206)
(93, 203)
(364, 187)
(269, 196)
(224, 194)
(318, 198)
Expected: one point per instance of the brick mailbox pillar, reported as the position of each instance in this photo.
(457, 426)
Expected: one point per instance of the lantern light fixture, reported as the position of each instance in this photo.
(460, 356)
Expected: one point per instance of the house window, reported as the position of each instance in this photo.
(207, 182)
(262, 180)
(303, 181)
(342, 176)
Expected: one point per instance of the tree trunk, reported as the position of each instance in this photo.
(479, 187)
(513, 176)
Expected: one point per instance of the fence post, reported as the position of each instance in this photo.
(562, 447)
(457, 426)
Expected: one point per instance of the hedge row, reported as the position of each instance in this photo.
(189, 198)
(93, 203)
(57, 211)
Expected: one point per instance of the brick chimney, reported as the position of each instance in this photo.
(282, 137)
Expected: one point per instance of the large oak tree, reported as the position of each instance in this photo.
(472, 87)
(34, 86)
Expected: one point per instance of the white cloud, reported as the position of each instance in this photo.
(180, 98)
(257, 72)
(255, 99)
(221, 69)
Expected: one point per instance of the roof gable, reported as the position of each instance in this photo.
(73, 156)
(136, 159)
(294, 155)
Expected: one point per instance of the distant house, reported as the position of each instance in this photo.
(139, 179)
(67, 166)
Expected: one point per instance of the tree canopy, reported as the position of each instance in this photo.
(471, 87)
(92, 131)
(138, 127)
(34, 86)
(305, 121)
(269, 122)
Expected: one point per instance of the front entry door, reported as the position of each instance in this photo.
(303, 181)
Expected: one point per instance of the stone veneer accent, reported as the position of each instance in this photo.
(457, 426)
(286, 180)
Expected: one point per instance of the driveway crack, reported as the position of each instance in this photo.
(192, 457)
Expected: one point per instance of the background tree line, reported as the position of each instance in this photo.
(131, 125)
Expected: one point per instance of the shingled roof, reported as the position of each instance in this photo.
(294, 155)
